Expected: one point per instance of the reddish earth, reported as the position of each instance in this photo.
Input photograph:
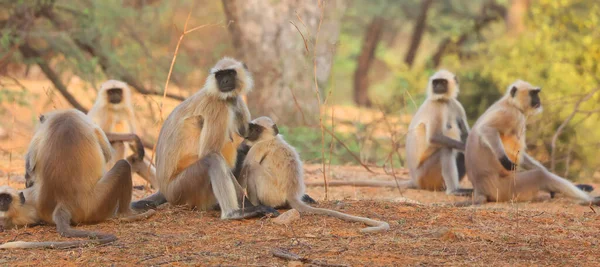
(546, 232)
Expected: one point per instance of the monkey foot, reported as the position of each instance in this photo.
(463, 192)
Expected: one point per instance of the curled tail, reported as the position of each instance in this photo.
(375, 226)
(366, 183)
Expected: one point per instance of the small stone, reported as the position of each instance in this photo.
(287, 217)
(295, 264)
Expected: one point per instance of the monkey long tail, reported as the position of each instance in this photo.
(102, 239)
(365, 183)
(376, 226)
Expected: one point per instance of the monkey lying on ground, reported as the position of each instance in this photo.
(191, 164)
(434, 142)
(68, 183)
(272, 174)
(113, 112)
(496, 146)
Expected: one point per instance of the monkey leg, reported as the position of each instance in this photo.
(535, 180)
(207, 180)
(439, 171)
(112, 191)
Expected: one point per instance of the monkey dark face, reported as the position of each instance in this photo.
(226, 80)
(440, 86)
(5, 201)
(115, 95)
(254, 132)
(535, 98)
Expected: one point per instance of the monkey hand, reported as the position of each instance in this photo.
(507, 163)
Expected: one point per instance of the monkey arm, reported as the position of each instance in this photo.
(443, 140)
(104, 144)
(491, 136)
(30, 166)
(530, 162)
(213, 134)
(242, 117)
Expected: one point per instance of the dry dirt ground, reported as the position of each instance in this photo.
(547, 232)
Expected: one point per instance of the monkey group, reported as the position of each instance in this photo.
(441, 149)
(211, 155)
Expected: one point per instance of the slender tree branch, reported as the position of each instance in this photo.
(30, 53)
(564, 124)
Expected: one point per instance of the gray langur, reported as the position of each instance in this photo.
(496, 147)
(68, 182)
(193, 161)
(273, 176)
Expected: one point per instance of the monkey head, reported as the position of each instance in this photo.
(525, 97)
(10, 199)
(442, 85)
(261, 129)
(114, 93)
(229, 78)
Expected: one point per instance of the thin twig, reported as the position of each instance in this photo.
(564, 124)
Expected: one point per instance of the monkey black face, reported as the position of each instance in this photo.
(115, 95)
(254, 132)
(226, 80)
(535, 98)
(5, 201)
(440, 86)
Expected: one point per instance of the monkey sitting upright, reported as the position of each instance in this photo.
(68, 183)
(191, 155)
(113, 112)
(496, 146)
(434, 142)
(272, 174)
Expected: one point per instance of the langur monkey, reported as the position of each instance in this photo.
(66, 163)
(434, 142)
(193, 165)
(273, 176)
(14, 211)
(113, 112)
(496, 147)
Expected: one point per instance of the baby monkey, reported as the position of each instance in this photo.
(273, 176)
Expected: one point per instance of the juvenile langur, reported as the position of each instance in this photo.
(272, 174)
(434, 142)
(113, 112)
(496, 146)
(66, 164)
(193, 166)
(14, 211)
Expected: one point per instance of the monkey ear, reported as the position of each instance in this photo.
(275, 129)
(22, 197)
(456, 79)
(513, 91)
(245, 66)
(42, 118)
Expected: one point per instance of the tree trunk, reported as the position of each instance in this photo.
(365, 59)
(275, 52)
(418, 31)
(514, 16)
